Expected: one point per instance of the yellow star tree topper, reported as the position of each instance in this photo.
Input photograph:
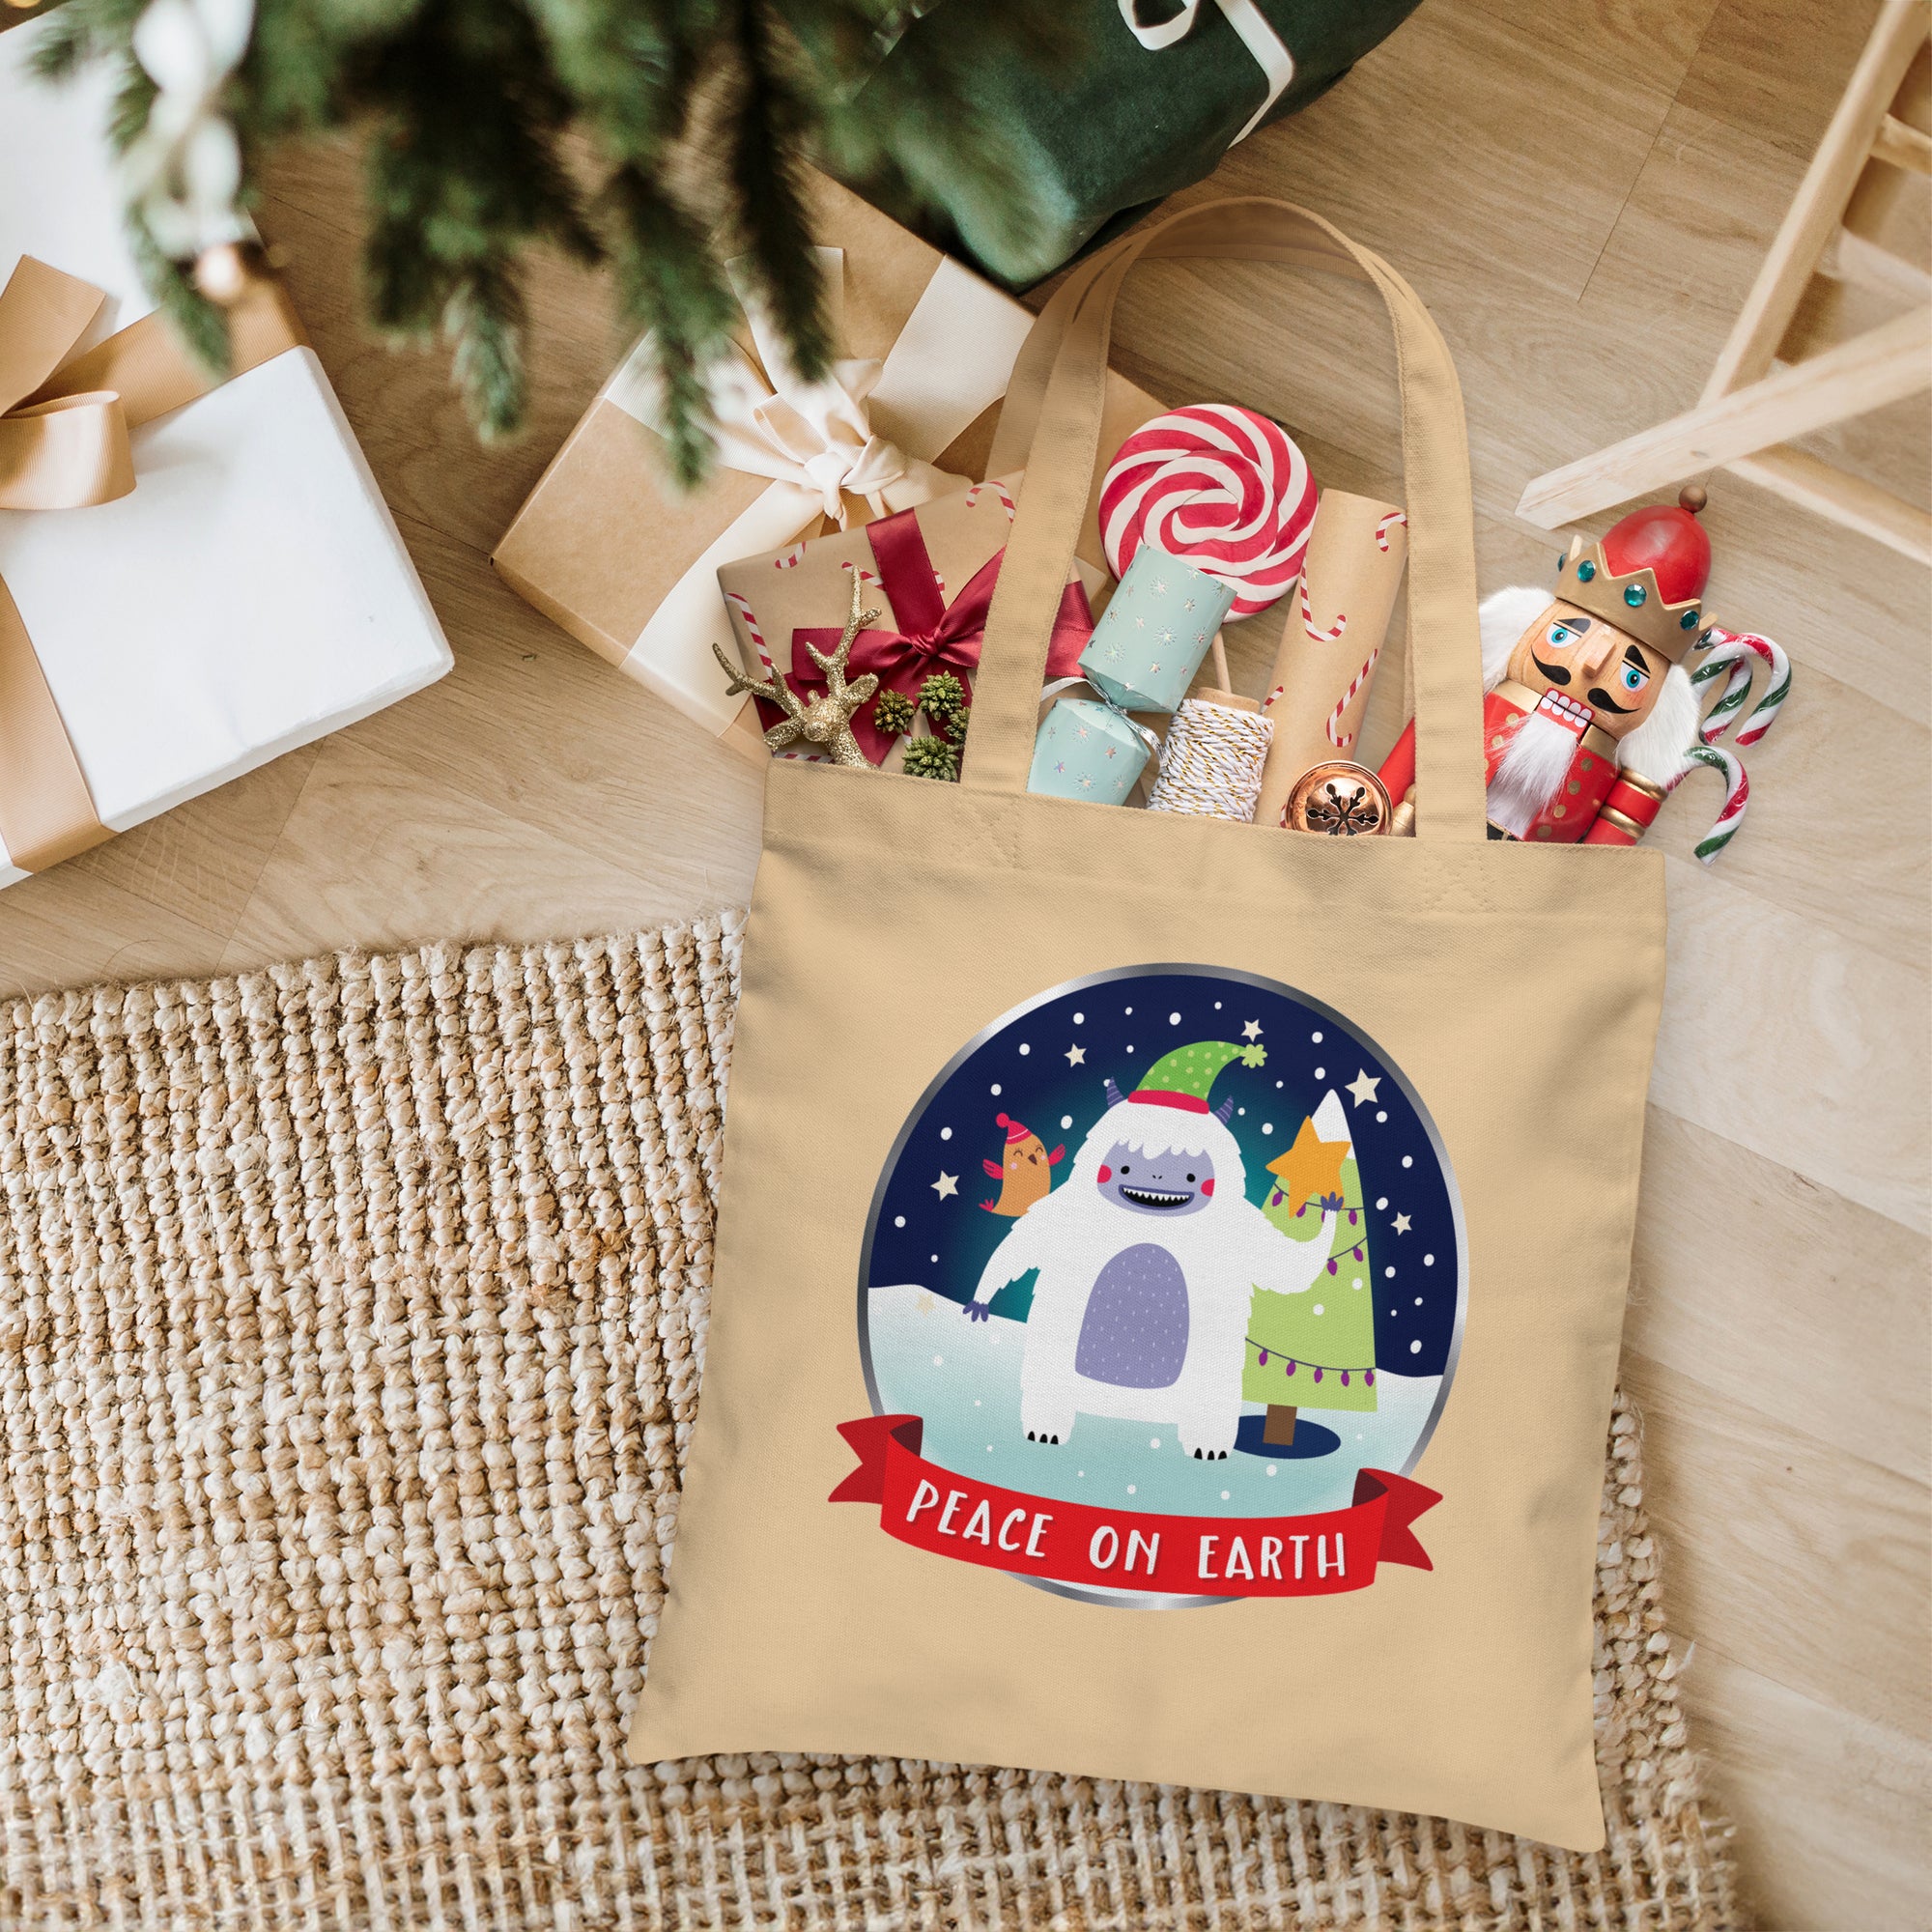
(1312, 1167)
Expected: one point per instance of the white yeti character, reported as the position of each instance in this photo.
(1149, 1256)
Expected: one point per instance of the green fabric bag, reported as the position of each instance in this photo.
(1148, 107)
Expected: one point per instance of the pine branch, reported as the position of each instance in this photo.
(767, 172)
(670, 281)
(701, 115)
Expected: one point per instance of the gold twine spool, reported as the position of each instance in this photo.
(1212, 763)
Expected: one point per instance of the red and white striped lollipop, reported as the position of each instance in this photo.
(1220, 487)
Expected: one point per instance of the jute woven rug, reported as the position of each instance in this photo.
(350, 1322)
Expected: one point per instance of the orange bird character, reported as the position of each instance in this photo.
(1026, 1175)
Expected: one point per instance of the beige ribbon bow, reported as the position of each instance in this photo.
(64, 446)
(816, 437)
(817, 443)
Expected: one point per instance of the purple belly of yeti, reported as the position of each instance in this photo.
(1134, 1333)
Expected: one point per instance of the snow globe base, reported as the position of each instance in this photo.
(1311, 1439)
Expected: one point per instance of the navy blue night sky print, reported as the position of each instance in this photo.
(1047, 1069)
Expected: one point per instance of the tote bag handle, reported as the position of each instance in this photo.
(1051, 426)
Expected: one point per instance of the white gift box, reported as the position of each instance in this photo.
(252, 594)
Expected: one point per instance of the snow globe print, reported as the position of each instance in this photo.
(1161, 1299)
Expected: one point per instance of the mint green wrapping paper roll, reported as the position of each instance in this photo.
(1152, 636)
(1086, 750)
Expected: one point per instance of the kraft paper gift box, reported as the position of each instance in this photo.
(247, 595)
(607, 544)
(926, 573)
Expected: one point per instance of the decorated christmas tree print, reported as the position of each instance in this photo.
(1316, 1350)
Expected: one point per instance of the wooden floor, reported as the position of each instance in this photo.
(1581, 189)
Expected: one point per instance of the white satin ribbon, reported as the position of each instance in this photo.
(1258, 36)
(867, 430)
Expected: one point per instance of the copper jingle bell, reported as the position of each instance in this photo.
(1339, 800)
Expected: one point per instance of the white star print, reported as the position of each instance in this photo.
(1402, 1224)
(1160, 586)
(1252, 1030)
(1076, 1056)
(1363, 1087)
(947, 1184)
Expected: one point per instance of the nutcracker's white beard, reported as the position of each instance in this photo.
(1532, 769)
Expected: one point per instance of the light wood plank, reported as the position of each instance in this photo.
(1721, 1235)
(1815, 1565)
(533, 724)
(371, 854)
(70, 928)
(1778, 69)
(1815, 485)
(1807, 1050)
(1830, 1807)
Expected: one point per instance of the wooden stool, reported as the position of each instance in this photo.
(1749, 409)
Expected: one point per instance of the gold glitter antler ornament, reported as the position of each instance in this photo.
(828, 719)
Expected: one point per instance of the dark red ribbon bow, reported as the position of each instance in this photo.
(934, 635)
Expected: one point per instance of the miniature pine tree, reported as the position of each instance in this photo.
(484, 118)
(932, 758)
(1316, 1350)
(892, 713)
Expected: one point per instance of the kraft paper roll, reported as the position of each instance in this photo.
(1337, 616)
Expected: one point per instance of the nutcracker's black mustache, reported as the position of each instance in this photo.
(1557, 674)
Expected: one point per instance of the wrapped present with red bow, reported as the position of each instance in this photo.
(927, 573)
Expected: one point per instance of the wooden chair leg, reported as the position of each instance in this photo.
(1817, 486)
(1881, 367)
(1819, 204)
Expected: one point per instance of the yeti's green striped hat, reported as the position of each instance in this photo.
(1184, 1077)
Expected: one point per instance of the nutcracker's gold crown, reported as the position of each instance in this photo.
(1631, 601)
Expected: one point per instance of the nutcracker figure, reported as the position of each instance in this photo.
(1589, 712)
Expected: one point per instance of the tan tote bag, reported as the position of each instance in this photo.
(1169, 1274)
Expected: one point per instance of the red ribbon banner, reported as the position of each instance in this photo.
(973, 1521)
(933, 635)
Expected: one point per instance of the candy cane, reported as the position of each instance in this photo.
(752, 630)
(1267, 703)
(1340, 739)
(1731, 700)
(1317, 633)
(1737, 648)
(789, 560)
(1223, 489)
(999, 490)
(1395, 520)
(1721, 759)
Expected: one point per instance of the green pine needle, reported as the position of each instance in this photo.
(485, 118)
